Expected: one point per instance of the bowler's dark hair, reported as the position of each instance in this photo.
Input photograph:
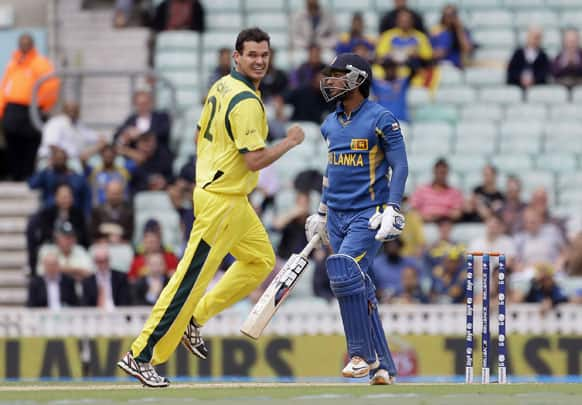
(254, 34)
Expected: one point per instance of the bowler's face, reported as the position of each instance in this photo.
(253, 62)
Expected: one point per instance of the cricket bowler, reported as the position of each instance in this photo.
(360, 208)
(231, 150)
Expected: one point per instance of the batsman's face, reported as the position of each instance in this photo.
(336, 83)
(253, 62)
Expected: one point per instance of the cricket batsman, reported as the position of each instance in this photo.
(360, 208)
(231, 150)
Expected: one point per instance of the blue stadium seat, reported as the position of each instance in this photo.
(480, 129)
(520, 143)
(450, 76)
(456, 95)
(526, 111)
(523, 4)
(216, 6)
(467, 232)
(498, 18)
(466, 162)
(177, 40)
(350, 5)
(265, 5)
(540, 17)
(563, 142)
(500, 94)
(511, 129)
(224, 21)
(474, 146)
(569, 112)
(571, 18)
(478, 4)
(478, 111)
(500, 37)
(512, 163)
(557, 162)
(176, 60)
(422, 163)
(439, 130)
(577, 95)
(418, 96)
(435, 112)
(484, 76)
(493, 55)
(549, 94)
(270, 21)
(216, 40)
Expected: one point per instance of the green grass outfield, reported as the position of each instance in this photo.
(287, 393)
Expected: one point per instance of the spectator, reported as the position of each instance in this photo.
(21, 137)
(113, 220)
(348, 41)
(438, 199)
(153, 169)
(413, 234)
(495, 240)
(278, 122)
(539, 202)
(54, 289)
(513, 207)
(63, 211)
(450, 40)
(529, 65)
(66, 132)
(275, 81)
(411, 292)
(308, 102)
(538, 242)
(151, 243)
(106, 288)
(266, 190)
(223, 67)
(388, 20)
(387, 270)
(391, 91)
(443, 245)
(307, 71)
(292, 227)
(179, 15)
(144, 120)
(147, 288)
(486, 198)
(73, 258)
(307, 181)
(311, 25)
(406, 46)
(448, 279)
(99, 176)
(544, 289)
(57, 173)
(180, 192)
(567, 67)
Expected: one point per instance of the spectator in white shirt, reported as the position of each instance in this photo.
(66, 132)
(538, 242)
(313, 25)
(73, 258)
(106, 288)
(495, 240)
(54, 289)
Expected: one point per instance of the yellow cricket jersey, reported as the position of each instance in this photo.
(232, 123)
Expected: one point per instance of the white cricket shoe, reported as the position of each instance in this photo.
(381, 377)
(192, 340)
(144, 372)
(357, 367)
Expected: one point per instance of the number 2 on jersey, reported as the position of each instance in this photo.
(207, 134)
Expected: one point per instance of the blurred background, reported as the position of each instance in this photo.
(99, 102)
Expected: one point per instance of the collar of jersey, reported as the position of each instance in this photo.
(341, 113)
(239, 76)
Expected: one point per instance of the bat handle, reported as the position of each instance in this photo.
(310, 246)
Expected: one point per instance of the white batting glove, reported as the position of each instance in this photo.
(316, 224)
(391, 223)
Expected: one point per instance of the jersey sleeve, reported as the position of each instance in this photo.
(390, 134)
(245, 125)
(323, 204)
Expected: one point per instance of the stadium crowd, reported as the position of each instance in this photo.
(78, 242)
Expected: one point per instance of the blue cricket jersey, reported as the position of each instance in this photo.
(361, 149)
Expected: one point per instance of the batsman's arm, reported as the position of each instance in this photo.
(395, 152)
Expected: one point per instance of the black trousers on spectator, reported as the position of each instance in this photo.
(22, 142)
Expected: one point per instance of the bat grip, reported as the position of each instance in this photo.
(310, 246)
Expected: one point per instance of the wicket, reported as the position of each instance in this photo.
(485, 327)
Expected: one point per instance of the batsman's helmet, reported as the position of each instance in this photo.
(358, 74)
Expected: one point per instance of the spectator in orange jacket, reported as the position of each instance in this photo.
(22, 139)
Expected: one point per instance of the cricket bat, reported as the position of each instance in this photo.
(277, 292)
